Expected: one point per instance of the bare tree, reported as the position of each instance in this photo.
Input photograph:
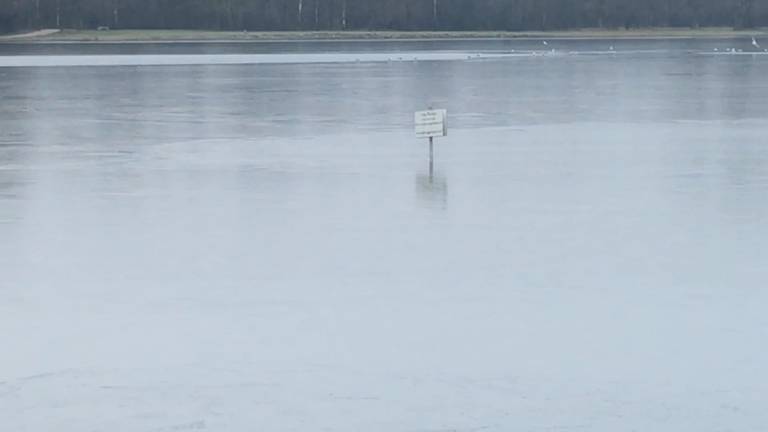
(116, 13)
(434, 14)
(317, 14)
(301, 5)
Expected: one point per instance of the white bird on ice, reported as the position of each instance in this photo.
(545, 42)
(754, 43)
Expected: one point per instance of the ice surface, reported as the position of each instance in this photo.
(261, 247)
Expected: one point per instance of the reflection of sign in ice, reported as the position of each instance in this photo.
(432, 189)
(431, 123)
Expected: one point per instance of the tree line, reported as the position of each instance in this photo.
(260, 15)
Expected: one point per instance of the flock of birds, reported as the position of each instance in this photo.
(754, 44)
(731, 50)
(546, 44)
(611, 48)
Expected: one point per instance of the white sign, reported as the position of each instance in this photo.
(431, 123)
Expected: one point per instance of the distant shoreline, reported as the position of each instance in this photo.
(203, 36)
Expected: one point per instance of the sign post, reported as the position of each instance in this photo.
(431, 124)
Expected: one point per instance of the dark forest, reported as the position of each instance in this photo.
(265, 15)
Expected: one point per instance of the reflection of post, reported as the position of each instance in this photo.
(432, 188)
(431, 158)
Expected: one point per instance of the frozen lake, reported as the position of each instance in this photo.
(198, 245)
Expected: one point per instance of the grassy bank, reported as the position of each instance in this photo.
(116, 36)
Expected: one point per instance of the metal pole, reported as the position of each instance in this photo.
(431, 157)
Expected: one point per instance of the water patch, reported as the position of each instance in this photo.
(735, 53)
(236, 59)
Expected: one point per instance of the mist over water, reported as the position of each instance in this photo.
(262, 246)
